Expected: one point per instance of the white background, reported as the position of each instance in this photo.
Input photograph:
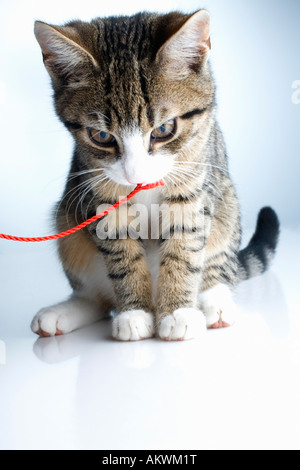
(255, 58)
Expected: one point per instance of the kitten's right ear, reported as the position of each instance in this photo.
(65, 57)
(187, 50)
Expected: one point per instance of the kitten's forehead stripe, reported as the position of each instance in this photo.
(75, 126)
(144, 86)
(108, 116)
(127, 47)
(150, 116)
(193, 113)
(140, 114)
(123, 44)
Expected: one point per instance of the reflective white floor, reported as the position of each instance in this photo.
(237, 388)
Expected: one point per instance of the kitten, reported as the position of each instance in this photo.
(138, 96)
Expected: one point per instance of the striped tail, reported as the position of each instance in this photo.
(255, 259)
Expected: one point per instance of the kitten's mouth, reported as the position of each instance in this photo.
(143, 183)
(124, 181)
(157, 182)
(131, 181)
(134, 181)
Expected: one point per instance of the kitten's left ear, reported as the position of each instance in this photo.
(188, 49)
(65, 56)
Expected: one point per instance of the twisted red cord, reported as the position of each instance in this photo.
(139, 188)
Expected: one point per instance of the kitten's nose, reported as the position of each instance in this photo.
(133, 174)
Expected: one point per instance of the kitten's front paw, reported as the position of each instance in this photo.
(133, 325)
(183, 324)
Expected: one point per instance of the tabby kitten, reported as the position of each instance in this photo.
(138, 96)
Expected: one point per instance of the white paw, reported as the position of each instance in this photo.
(133, 325)
(218, 307)
(51, 321)
(65, 317)
(183, 324)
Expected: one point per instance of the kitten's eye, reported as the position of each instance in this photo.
(165, 131)
(101, 138)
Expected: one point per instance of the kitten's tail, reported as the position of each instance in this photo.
(255, 259)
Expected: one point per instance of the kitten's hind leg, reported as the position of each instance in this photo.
(218, 307)
(93, 296)
(67, 316)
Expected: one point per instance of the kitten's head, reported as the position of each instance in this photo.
(135, 92)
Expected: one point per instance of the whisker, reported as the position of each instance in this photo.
(191, 172)
(93, 183)
(71, 192)
(178, 180)
(223, 169)
(93, 186)
(75, 192)
(101, 115)
(83, 172)
(217, 192)
(186, 172)
(106, 181)
(184, 175)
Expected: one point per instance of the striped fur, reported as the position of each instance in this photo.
(127, 76)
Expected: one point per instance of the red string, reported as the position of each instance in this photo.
(139, 188)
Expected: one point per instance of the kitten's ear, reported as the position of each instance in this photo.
(65, 57)
(188, 48)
